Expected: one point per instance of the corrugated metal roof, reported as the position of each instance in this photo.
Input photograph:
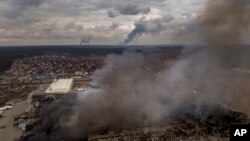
(60, 86)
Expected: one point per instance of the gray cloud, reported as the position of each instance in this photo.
(73, 26)
(33, 16)
(48, 28)
(114, 26)
(27, 3)
(133, 9)
(112, 13)
(17, 7)
(128, 9)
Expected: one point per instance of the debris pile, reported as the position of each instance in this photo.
(30, 117)
(214, 125)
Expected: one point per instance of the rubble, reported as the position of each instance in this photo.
(30, 117)
(188, 128)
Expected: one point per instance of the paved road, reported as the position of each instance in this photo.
(10, 133)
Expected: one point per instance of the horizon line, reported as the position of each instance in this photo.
(113, 45)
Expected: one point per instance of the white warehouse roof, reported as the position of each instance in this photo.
(60, 86)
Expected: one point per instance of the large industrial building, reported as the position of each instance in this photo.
(57, 88)
(60, 86)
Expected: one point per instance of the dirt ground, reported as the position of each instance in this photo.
(10, 133)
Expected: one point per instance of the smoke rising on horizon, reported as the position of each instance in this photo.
(85, 39)
(126, 97)
(152, 26)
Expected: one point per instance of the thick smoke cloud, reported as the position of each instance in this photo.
(144, 26)
(126, 96)
(221, 27)
(223, 22)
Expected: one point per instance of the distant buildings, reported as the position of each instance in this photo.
(27, 74)
(45, 68)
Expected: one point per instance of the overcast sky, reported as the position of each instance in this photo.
(47, 22)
